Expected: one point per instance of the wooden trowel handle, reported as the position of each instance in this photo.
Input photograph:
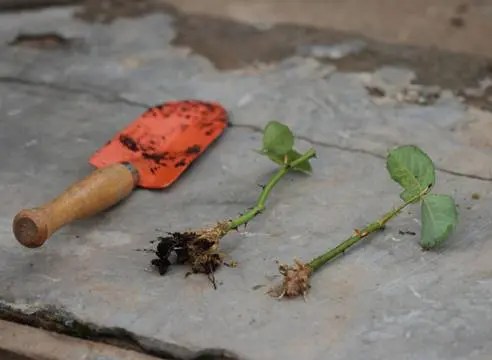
(97, 192)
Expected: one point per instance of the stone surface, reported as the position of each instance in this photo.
(33, 344)
(385, 299)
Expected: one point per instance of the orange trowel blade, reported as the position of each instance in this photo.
(165, 140)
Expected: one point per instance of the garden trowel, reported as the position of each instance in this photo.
(152, 152)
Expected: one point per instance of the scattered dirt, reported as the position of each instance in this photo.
(193, 149)
(148, 138)
(406, 232)
(197, 248)
(149, 151)
(375, 91)
(457, 21)
(231, 45)
(129, 143)
(156, 157)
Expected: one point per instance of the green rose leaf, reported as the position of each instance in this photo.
(439, 219)
(412, 168)
(292, 155)
(277, 138)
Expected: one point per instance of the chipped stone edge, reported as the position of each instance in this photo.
(33, 343)
(57, 320)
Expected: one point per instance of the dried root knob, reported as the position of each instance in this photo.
(215, 233)
(295, 282)
(207, 262)
(204, 248)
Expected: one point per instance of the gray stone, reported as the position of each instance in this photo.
(385, 299)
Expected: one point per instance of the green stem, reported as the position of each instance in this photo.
(260, 203)
(319, 261)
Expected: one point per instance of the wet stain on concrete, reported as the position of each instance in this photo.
(230, 45)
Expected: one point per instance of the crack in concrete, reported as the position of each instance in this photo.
(379, 156)
(122, 100)
(76, 91)
(362, 151)
(57, 320)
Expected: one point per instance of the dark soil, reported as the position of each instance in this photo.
(407, 232)
(128, 142)
(187, 248)
(203, 115)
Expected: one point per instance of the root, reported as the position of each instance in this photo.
(295, 282)
(197, 248)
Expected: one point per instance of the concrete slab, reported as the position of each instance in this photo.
(385, 300)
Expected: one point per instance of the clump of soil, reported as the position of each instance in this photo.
(198, 248)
